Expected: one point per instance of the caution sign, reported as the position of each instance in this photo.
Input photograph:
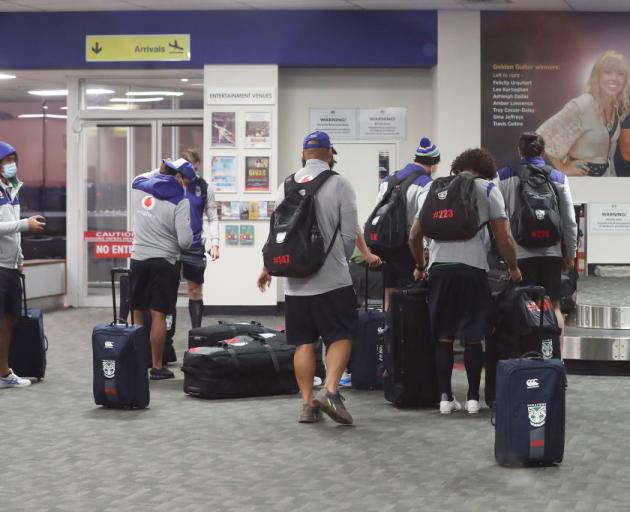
(110, 244)
(133, 48)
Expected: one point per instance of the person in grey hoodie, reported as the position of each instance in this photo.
(162, 230)
(11, 258)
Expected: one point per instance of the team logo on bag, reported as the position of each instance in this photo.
(443, 194)
(198, 191)
(537, 414)
(109, 344)
(547, 349)
(540, 214)
(148, 203)
(109, 368)
(532, 384)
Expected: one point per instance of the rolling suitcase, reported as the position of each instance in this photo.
(27, 354)
(525, 322)
(366, 360)
(169, 355)
(120, 362)
(244, 366)
(410, 377)
(530, 411)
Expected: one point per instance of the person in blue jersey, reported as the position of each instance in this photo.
(201, 198)
(398, 269)
(161, 227)
(543, 266)
(11, 258)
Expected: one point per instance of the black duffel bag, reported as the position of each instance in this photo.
(244, 366)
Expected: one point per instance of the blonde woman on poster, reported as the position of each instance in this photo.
(579, 137)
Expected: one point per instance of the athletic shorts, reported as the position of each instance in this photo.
(459, 302)
(543, 271)
(194, 265)
(153, 285)
(398, 270)
(331, 315)
(10, 293)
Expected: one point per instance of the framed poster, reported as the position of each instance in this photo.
(231, 234)
(223, 174)
(257, 174)
(258, 129)
(223, 129)
(247, 234)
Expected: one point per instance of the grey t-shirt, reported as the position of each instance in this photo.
(473, 252)
(335, 204)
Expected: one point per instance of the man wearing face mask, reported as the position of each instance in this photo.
(11, 258)
(161, 228)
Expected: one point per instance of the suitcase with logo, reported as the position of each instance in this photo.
(120, 362)
(27, 354)
(244, 366)
(525, 321)
(530, 411)
(410, 377)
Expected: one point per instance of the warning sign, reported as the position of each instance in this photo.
(110, 244)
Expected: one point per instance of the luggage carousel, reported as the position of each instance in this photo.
(597, 335)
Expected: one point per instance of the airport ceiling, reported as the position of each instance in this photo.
(193, 5)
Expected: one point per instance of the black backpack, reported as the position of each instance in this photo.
(536, 221)
(450, 210)
(295, 246)
(385, 231)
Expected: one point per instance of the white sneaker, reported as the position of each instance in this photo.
(13, 381)
(447, 407)
(472, 406)
(317, 382)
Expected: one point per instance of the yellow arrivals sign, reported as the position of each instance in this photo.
(129, 48)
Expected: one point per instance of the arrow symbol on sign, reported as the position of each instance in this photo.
(97, 48)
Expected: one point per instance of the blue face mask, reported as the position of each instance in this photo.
(9, 170)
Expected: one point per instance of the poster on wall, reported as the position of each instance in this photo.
(383, 123)
(257, 174)
(245, 210)
(566, 80)
(247, 234)
(223, 129)
(339, 123)
(223, 174)
(231, 234)
(258, 129)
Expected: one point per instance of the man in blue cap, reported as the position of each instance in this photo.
(161, 231)
(11, 258)
(323, 304)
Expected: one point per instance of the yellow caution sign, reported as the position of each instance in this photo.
(129, 48)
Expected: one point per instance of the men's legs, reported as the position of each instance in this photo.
(337, 357)
(473, 361)
(304, 364)
(6, 327)
(195, 302)
(158, 337)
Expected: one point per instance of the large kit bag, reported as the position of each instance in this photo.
(530, 411)
(524, 321)
(410, 377)
(366, 359)
(295, 246)
(537, 221)
(27, 355)
(120, 362)
(450, 210)
(169, 355)
(244, 366)
(386, 228)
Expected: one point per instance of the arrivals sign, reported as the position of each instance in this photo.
(110, 244)
(130, 48)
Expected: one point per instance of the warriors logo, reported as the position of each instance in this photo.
(443, 194)
(537, 414)
(109, 368)
(547, 349)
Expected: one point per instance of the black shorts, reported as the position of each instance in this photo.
(10, 293)
(459, 302)
(331, 315)
(194, 265)
(398, 269)
(543, 271)
(153, 285)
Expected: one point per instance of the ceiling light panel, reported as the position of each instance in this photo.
(49, 92)
(154, 93)
(135, 100)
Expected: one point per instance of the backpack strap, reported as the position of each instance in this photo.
(545, 171)
(311, 187)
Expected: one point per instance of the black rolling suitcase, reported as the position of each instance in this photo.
(27, 354)
(169, 355)
(410, 377)
(525, 321)
(243, 366)
(120, 362)
(366, 360)
(530, 411)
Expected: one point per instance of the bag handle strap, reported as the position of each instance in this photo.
(23, 278)
(113, 272)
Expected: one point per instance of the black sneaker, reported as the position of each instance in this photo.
(333, 406)
(161, 373)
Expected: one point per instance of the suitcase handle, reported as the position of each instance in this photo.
(113, 272)
(23, 278)
(535, 356)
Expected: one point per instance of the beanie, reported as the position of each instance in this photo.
(427, 153)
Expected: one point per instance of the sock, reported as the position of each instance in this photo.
(473, 360)
(444, 364)
(195, 308)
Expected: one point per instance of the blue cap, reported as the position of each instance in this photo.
(182, 166)
(6, 149)
(318, 140)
